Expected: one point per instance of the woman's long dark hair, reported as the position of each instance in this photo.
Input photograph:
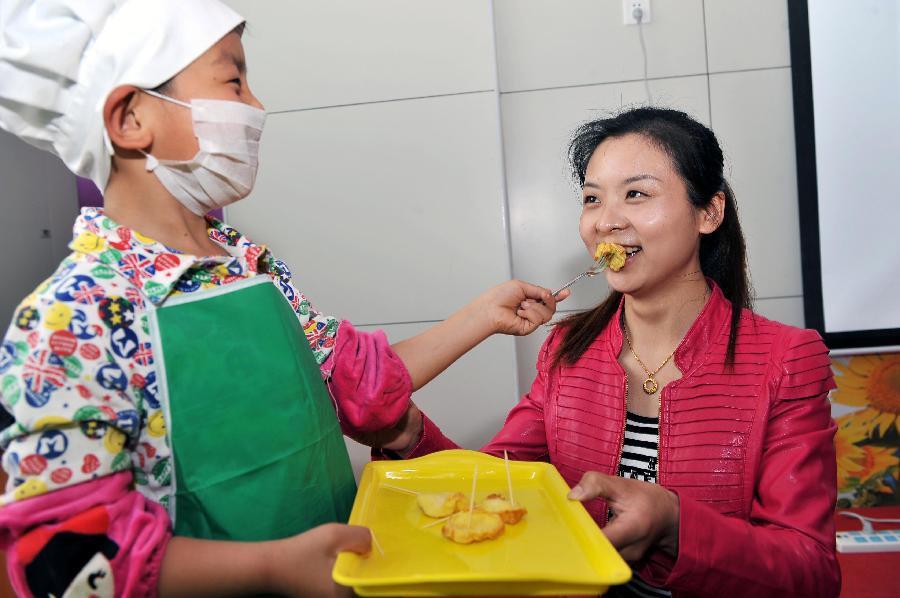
(697, 157)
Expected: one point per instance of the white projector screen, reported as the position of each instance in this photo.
(846, 70)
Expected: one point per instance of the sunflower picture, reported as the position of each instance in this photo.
(866, 407)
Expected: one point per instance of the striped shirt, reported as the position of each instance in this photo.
(639, 460)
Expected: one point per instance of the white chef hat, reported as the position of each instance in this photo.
(60, 59)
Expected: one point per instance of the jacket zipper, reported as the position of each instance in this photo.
(621, 444)
(654, 465)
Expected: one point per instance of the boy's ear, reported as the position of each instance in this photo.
(121, 117)
(713, 214)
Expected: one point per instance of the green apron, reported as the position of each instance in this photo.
(257, 448)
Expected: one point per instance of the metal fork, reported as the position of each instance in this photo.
(594, 270)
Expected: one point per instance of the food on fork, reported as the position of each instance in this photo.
(613, 253)
(477, 525)
(508, 512)
(441, 504)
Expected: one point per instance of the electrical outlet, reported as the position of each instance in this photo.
(628, 8)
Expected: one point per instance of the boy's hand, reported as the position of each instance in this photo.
(517, 307)
(302, 564)
(513, 307)
(296, 566)
(401, 438)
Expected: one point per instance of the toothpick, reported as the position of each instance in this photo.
(433, 523)
(399, 489)
(512, 500)
(375, 543)
(472, 499)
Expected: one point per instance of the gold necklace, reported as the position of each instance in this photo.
(650, 385)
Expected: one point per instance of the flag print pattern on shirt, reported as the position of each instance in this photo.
(77, 365)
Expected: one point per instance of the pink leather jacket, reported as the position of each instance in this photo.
(748, 450)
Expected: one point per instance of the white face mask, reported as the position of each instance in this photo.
(224, 169)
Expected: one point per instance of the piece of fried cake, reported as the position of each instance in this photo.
(441, 504)
(481, 526)
(613, 253)
(508, 512)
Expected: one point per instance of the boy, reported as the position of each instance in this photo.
(173, 434)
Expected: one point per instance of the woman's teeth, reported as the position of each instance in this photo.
(630, 251)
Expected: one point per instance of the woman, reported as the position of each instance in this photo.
(717, 415)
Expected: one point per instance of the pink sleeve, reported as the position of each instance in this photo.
(523, 436)
(96, 538)
(370, 385)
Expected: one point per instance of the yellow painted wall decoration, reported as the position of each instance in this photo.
(866, 407)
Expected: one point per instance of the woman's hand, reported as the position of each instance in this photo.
(645, 514)
(517, 307)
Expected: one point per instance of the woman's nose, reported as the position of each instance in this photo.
(609, 223)
(610, 227)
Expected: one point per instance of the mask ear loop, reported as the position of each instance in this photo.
(152, 162)
(156, 94)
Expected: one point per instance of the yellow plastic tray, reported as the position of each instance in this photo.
(556, 549)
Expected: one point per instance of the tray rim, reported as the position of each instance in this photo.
(551, 476)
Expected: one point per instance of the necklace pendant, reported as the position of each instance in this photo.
(650, 386)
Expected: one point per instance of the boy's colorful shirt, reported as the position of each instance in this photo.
(77, 366)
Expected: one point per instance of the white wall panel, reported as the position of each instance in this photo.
(547, 43)
(747, 34)
(306, 54)
(544, 204)
(788, 310)
(389, 212)
(752, 114)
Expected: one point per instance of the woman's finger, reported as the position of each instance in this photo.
(594, 484)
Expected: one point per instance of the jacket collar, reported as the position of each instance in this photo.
(151, 266)
(709, 326)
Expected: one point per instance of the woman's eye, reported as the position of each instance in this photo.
(634, 193)
(589, 199)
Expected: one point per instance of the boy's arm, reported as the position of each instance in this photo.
(296, 566)
(371, 381)
(76, 451)
(95, 538)
(103, 538)
(514, 307)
